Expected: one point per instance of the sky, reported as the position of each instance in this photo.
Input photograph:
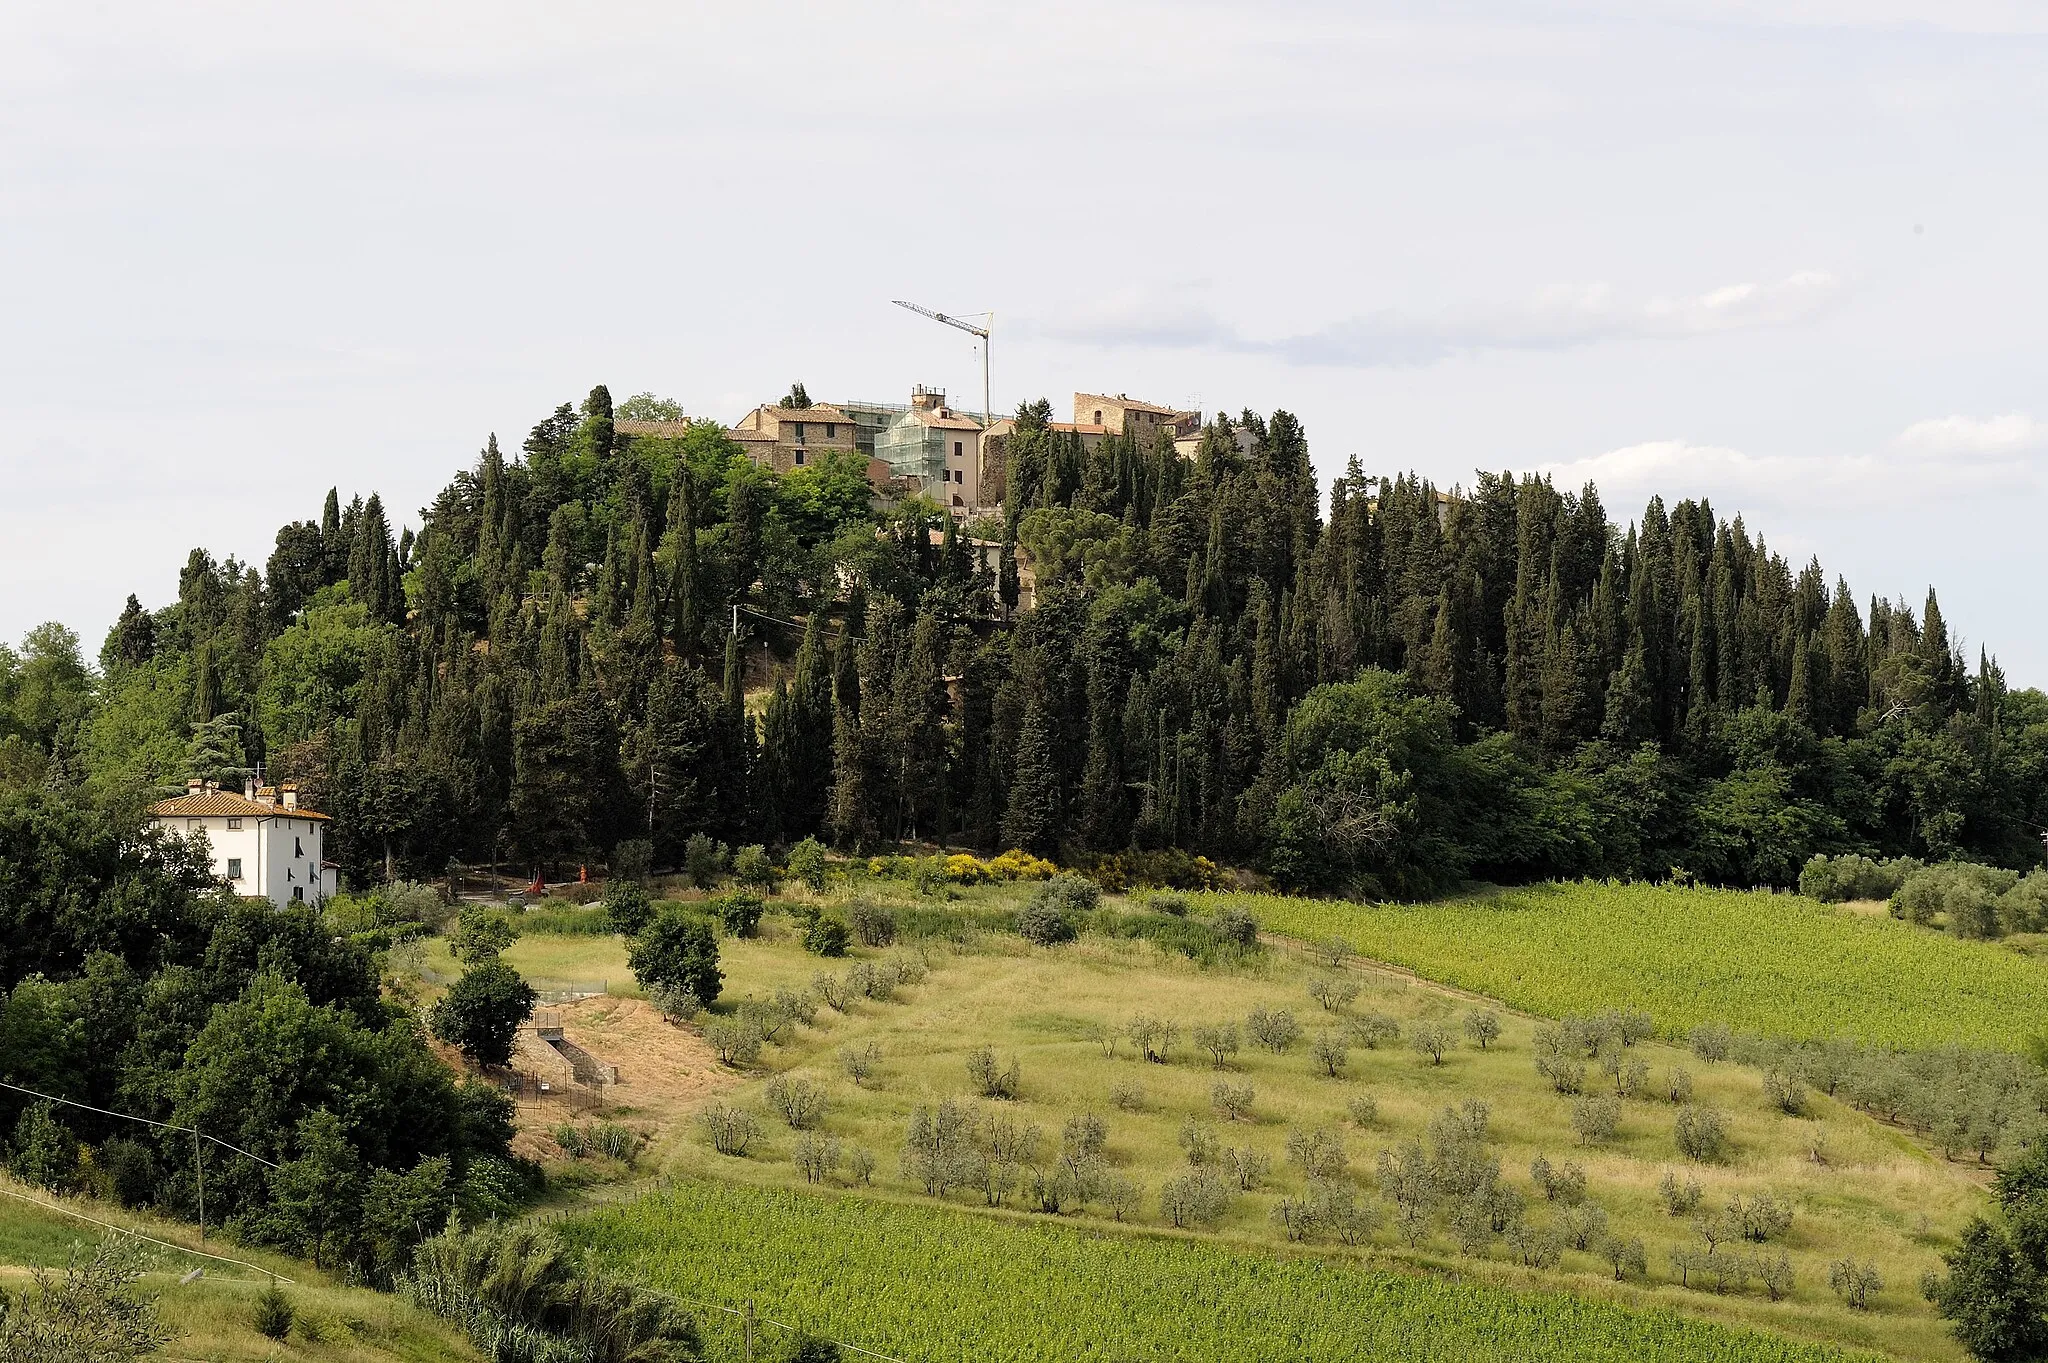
(1784, 256)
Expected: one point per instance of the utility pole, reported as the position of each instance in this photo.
(988, 415)
(199, 1170)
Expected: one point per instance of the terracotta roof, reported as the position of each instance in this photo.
(670, 429)
(218, 802)
(746, 437)
(947, 423)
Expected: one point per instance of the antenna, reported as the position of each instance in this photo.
(988, 414)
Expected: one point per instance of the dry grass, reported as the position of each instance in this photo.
(212, 1316)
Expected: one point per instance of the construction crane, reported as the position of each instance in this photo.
(987, 412)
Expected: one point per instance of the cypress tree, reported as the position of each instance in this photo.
(1032, 819)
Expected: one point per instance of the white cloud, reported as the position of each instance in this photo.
(1965, 436)
(1560, 318)
(1946, 457)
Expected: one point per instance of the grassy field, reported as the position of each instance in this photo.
(1878, 1198)
(1773, 964)
(212, 1316)
(932, 1284)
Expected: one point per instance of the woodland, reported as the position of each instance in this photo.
(1381, 692)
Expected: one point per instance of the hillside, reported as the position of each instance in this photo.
(1379, 691)
(1857, 1188)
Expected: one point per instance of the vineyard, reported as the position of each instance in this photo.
(931, 1284)
(1771, 964)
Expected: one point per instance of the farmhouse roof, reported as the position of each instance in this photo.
(216, 802)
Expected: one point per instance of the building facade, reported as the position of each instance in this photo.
(939, 447)
(264, 843)
(788, 438)
(1124, 413)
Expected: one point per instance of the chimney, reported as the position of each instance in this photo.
(194, 786)
(266, 796)
(290, 795)
(249, 788)
(213, 785)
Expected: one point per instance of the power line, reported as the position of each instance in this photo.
(131, 1117)
(138, 1235)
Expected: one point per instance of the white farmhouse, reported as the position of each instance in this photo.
(264, 844)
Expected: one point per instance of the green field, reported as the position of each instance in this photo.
(1770, 964)
(931, 1284)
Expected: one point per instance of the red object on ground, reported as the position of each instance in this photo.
(539, 886)
(582, 875)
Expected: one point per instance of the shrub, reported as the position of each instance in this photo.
(797, 1100)
(1784, 1091)
(1017, 864)
(1318, 1153)
(731, 1129)
(1333, 992)
(627, 907)
(1596, 1118)
(131, 1171)
(1701, 1133)
(679, 950)
(1126, 1096)
(807, 865)
(1170, 902)
(860, 1164)
(1363, 1109)
(1854, 1283)
(1375, 1030)
(45, 1151)
(989, 1078)
(825, 936)
(1047, 920)
(735, 1040)
(572, 1140)
(754, 868)
(1196, 1199)
(1220, 1041)
(1234, 1101)
(274, 1312)
(1679, 1199)
(480, 935)
(1198, 1143)
(859, 1062)
(677, 1003)
(704, 860)
(1275, 1029)
(1329, 1053)
(1483, 1027)
(1678, 1085)
(1712, 1041)
(1431, 1039)
(963, 869)
(633, 859)
(740, 912)
(815, 1156)
(1234, 925)
(1626, 1257)
(481, 1012)
(873, 923)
